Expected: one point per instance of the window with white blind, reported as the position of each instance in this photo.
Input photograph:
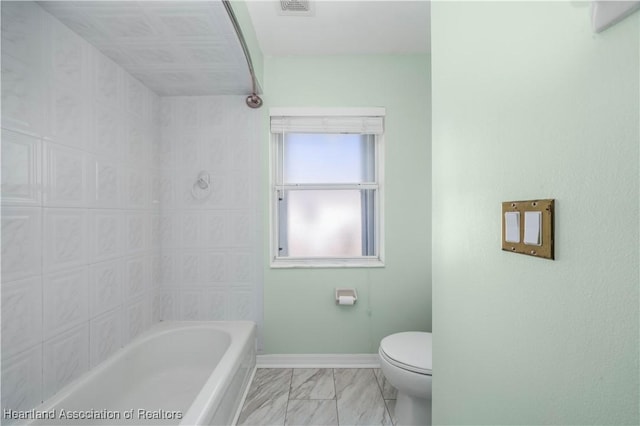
(326, 203)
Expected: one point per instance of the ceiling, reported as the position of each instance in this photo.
(172, 47)
(343, 27)
(182, 48)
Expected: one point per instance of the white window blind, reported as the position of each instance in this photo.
(358, 125)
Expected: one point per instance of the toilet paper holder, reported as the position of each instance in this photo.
(346, 296)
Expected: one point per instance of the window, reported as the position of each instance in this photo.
(326, 203)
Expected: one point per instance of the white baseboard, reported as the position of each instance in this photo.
(318, 361)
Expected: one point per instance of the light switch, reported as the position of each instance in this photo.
(528, 227)
(512, 227)
(532, 228)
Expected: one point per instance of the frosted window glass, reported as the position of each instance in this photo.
(328, 158)
(324, 223)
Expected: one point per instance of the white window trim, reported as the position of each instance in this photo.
(318, 262)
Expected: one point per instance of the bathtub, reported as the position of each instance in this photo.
(176, 373)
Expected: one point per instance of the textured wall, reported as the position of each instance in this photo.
(78, 259)
(529, 103)
(300, 311)
(211, 247)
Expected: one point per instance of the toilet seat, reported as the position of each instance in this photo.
(409, 351)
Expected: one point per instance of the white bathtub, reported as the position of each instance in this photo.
(186, 373)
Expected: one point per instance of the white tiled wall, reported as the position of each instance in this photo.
(101, 234)
(80, 165)
(211, 246)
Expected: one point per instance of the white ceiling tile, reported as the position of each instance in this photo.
(172, 47)
(189, 25)
(81, 24)
(152, 56)
(116, 25)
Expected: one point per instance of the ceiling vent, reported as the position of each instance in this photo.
(295, 8)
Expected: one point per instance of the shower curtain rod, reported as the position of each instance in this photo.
(253, 100)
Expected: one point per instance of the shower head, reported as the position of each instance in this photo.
(254, 101)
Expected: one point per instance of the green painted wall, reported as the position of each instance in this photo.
(300, 315)
(528, 103)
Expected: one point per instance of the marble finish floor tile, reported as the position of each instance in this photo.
(316, 396)
(359, 399)
(312, 412)
(266, 402)
(312, 383)
(391, 407)
(388, 391)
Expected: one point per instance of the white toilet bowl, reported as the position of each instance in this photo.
(405, 360)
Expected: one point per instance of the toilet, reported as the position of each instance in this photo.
(405, 361)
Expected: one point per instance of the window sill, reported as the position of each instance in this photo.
(280, 263)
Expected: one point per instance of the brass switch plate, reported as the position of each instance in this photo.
(546, 230)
